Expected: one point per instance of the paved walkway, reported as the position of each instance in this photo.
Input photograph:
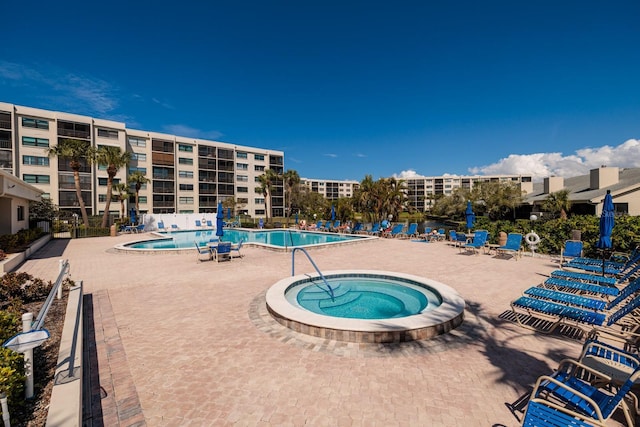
(177, 342)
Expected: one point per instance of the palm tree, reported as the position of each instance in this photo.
(266, 180)
(122, 191)
(291, 181)
(558, 202)
(78, 153)
(364, 198)
(114, 159)
(137, 179)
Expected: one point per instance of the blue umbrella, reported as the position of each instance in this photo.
(132, 215)
(471, 217)
(219, 221)
(333, 213)
(607, 221)
(296, 217)
(228, 213)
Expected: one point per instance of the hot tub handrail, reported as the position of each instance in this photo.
(293, 269)
(64, 270)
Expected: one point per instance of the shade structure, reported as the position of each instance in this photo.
(471, 217)
(132, 215)
(333, 213)
(219, 221)
(607, 221)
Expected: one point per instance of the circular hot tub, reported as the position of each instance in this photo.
(365, 306)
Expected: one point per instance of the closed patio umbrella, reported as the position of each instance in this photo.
(219, 221)
(333, 213)
(607, 221)
(228, 213)
(471, 217)
(132, 216)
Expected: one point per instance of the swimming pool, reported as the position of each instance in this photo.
(443, 311)
(277, 239)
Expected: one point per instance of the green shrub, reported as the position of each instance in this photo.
(12, 377)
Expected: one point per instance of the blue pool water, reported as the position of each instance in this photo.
(365, 298)
(278, 238)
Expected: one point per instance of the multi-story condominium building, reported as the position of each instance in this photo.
(187, 175)
(422, 191)
(331, 189)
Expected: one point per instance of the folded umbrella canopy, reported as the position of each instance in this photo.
(132, 216)
(333, 213)
(607, 221)
(219, 221)
(471, 217)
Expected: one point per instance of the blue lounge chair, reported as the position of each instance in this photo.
(612, 361)
(442, 235)
(198, 223)
(479, 241)
(572, 249)
(395, 231)
(236, 248)
(174, 227)
(358, 228)
(138, 228)
(541, 413)
(222, 251)
(412, 231)
(161, 226)
(334, 227)
(375, 229)
(200, 251)
(588, 288)
(584, 277)
(571, 386)
(209, 224)
(512, 247)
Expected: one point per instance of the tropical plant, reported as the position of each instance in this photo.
(43, 209)
(557, 203)
(267, 180)
(78, 154)
(122, 192)
(114, 159)
(496, 199)
(137, 179)
(291, 181)
(378, 199)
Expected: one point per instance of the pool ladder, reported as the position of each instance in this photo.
(329, 289)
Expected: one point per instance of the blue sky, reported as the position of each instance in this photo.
(348, 88)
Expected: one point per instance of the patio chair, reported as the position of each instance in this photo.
(395, 231)
(614, 362)
(236, 248)
(571, 385)
(572, 249)
(584, 277)
(512, 247)
(174, 227)
(375, 229)
(541, 413)
(222, 251)
(209, 224)
(138, 228)
(161, 226)
(611, 267)
(442, 235)
(412, 231)
(478, 242)
(358, 228)
(335, 226)
(200, 251)
(198, 223)
(561, 284)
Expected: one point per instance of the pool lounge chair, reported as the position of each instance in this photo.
(512, 247)
(571, 386)
(161, 226)
(615, 362)
(375, 229)
(198, 223)
(412, 231)
(200, 252)
(479, 241)
(138, 228)
(236, 248)
(395, 231)
(572, 249)
(542, 413)
(209, 224)
(222, 251)
(174, 227)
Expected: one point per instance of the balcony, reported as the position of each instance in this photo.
(5, 143)
(5, 124)
(74, 133)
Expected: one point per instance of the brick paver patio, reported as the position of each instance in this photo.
(177, 342)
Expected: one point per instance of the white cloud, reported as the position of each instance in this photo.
(542, 165)
(361, 155)
(331, 155)
(183, 130)
(409, 173)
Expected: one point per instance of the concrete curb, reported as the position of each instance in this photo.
(16, 259)
(65, 407)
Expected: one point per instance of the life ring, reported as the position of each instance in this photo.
(532, 239)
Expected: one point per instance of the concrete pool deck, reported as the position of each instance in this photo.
(178, 342)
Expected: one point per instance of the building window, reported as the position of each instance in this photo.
(241, 155)
(35, 142)
(259, 201)
(20, 213)
(259, 168)
(36, 179)
(242, 178)
(143, 171)
(102, 198)
(185, 148)
(142, 200)
(186, 187)
(35, 160)
(258, 156)
(242, 166)
(242, 200)
(185, 161)
(35, 123)
(141, 157)
(185, 174)
(243, 189)
(137, 142)
(107, 133)
(259, 211)
(103, 181)
(185, 200)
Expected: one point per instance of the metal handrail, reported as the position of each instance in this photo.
(293, 269)
(39, 322)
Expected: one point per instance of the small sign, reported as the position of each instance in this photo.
(26, 340)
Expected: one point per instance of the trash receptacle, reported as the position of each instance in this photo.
(113, 230)
(502, 238)
(576, 235)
